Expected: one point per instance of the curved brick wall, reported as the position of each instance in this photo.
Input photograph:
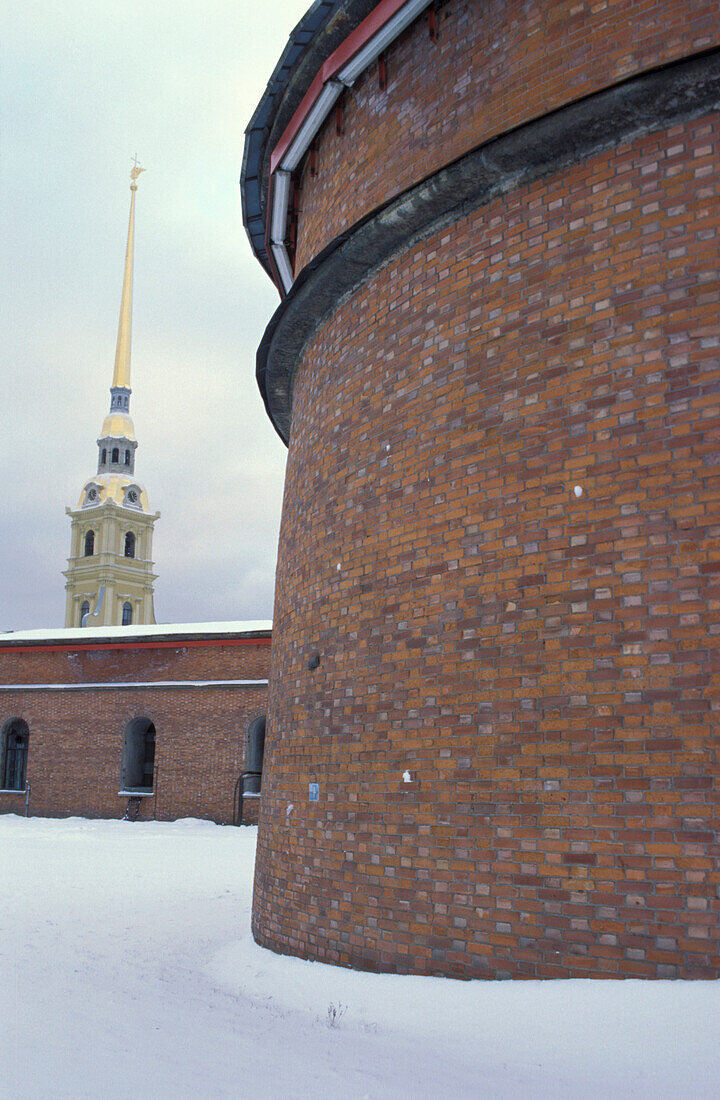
(545, 667)
(493, 67)
(512, 730)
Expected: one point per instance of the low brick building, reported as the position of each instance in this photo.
(495, 691)
(150, 720)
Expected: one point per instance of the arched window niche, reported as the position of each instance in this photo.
(116, 454)
(103, 456)
(130, 545)
(89, 544)
(127, 614)
(127, 458)
(254, 754)
(138, 758)
(84, 610)
(14, 743)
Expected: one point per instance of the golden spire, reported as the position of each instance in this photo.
(121, 374)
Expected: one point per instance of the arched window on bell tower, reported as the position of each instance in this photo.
(127, 614)
(129, 545)
(84, 610)
(89, 544)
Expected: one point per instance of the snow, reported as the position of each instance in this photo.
(129, 969)
(95, 633)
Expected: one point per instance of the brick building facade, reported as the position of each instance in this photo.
(101, 720)
(495, 691)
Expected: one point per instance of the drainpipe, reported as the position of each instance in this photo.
(98, 606)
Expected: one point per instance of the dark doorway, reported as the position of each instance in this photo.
(138, 760)
(14, 753)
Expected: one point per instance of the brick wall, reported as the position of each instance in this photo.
(541, 668)
(494, 66)
(184, 660)
(76, 736)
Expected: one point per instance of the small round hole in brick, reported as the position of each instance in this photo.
(314, 662)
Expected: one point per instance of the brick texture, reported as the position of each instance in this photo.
(493, 67)
(76, 736)
(513, 726)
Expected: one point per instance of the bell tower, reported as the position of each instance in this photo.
(109, 579)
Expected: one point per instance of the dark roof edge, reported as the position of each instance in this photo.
(320, 31)
(649, 101)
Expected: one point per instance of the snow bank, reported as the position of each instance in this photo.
(129, 968)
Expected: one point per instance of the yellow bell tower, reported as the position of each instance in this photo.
(110, 569)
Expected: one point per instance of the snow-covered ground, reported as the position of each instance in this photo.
(127, 969)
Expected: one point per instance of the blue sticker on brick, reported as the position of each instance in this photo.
(314, 791)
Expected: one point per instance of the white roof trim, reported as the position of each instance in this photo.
(117, 686)
(131, 633)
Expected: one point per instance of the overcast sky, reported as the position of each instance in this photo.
(84, 85)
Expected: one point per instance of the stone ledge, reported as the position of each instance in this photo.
(652, 101)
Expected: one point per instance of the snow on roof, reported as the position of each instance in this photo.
(130, 633)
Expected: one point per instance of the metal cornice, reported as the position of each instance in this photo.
(359, 50)
(641, 104)
(320, 31)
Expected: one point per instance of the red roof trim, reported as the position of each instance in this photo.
(354, 42)
(372, 23)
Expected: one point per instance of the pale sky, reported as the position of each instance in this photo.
(85, 84)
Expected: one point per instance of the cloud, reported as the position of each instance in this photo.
(83, 87)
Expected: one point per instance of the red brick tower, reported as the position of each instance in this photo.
(494, 702)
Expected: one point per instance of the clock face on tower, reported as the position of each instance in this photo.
(132, 496)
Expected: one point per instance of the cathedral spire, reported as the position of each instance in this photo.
(121, 374)
(110, 572)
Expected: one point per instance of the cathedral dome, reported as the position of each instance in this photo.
(119, 426)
